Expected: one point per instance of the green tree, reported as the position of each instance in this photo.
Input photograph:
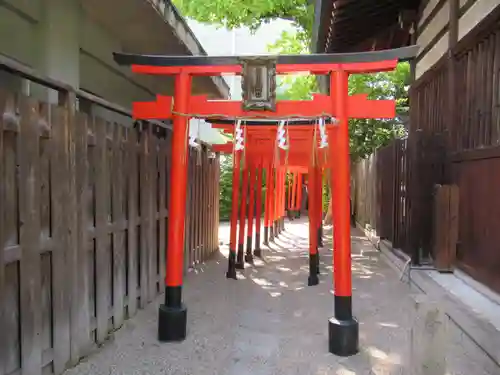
(250, 13)
(366, 135)
(226, 186)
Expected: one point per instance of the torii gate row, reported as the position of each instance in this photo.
(261, 148)
(343, 327)
(275, 197)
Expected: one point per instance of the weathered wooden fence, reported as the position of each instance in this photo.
(83, 218)
(379, 192)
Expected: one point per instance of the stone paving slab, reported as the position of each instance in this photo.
(270, 322)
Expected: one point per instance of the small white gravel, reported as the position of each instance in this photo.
(270, 322)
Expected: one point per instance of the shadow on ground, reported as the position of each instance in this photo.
(270, 322)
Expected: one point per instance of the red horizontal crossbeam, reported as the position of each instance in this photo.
(263, 149)
(354, 68)
(159, 110)
(269, 129)
(359, 106)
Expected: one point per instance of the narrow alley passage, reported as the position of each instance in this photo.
(271, 322)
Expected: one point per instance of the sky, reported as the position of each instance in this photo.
(220, 41)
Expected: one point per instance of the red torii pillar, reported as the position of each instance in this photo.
(240, 264)
(231, 268)
(258, 214)
(281, 222)
(293, 196)
(298, 203)
(343, 328)
(320, 206)
(267, 205)
(251, 208)
(281, 200)
(271, 203)
(313, 246)
(173, 314)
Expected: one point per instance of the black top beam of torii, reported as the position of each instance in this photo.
(400, 54)
(268, 122)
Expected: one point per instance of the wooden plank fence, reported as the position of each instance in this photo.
(83, 226)
(379, 193)
(453, 140)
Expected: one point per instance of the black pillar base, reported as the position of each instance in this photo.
(313, 270)
(257, 252)
(240, 264)
(248, 254)
(172, 316)
(271, 233)
(343, 337)
(320, 237)
(172, 323)
(266, 236)
(313, 280)
(231, 268)
(283, 223)
(317, 263)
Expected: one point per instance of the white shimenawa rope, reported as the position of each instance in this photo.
(239, 138)
(282, 136)
(322, 133)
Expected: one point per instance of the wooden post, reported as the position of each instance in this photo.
(251, 208)
(271, 192)
(298, 203)
(429, 337)
(231, 267)
(30, 278)
(313, 243)
(173, 314)
(267, 205)
(240, 263)
(3, 326)
(257, 250)
(343, 327)
(102, 264)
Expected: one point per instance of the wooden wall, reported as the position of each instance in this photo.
(443, 23)
(454, 138)
(379, 193)
(83, 228)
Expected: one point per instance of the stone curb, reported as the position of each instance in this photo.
(481, 332)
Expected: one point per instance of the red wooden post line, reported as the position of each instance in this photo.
(258, 214)
(319, 205)
(251, 208)
(231, 272)
(359, 106)
(343, 329)
(298, 205)
(240, 264)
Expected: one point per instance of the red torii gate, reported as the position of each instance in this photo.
(261, 149)
(343, 327)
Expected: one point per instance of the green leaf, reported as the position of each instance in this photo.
(366, 135)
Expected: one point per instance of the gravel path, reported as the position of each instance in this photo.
(270, 322)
